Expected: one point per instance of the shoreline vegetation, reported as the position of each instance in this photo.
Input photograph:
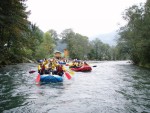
(23, 41)
(145, 65)
(26, 60)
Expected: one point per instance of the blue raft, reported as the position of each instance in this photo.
(51, 78)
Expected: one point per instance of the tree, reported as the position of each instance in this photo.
(96, 51)
(54, 35)
(35, 38)
(76, 44)
(135, 35)
(46, 48)
(13, 27)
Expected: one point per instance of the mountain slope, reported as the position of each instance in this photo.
(109, 38)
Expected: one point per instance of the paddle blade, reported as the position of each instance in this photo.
(71, 72)
(38, 78)
(32, 71)
(68, 75)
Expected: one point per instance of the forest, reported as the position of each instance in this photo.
(22, 41)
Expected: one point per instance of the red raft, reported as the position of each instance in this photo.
(82, 69)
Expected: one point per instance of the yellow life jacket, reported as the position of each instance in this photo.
(39, 67)
(45, 62)
(54, 65)
(64, 69)
(46, 66)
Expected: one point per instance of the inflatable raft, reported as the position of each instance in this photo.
(82, 69)
(50, 78)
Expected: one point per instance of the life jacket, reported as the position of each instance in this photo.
(59, 68)
(45, 62)
(54, 65)
(43, 67)
(39, 67)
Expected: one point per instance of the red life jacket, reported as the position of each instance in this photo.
(59, 69)
(43, 67)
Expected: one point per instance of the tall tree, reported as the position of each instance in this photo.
(35, 38)
(46, 48)
(54, 35)
(99, 50)
(96, 51)
(135, 35)
(13, 27)
(77, 44)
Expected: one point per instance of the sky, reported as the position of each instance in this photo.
(87, 17)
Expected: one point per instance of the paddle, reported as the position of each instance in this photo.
(32, 71)
(38, 78)
(68, 75)
(71, 72)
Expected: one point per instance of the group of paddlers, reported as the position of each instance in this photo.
(54, 67)
(50, 66)
(77, 64)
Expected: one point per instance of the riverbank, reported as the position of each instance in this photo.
(12, 62)
(145, 65)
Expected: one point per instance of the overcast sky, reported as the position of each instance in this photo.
(87, 17)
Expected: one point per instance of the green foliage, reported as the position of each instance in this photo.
(99, 50)
(35, 38)
(46, 48)
(77, 44)
(20, 39)
(134, 37)
(13, 27)
(79, 47)
(48, 43)
(54, 35)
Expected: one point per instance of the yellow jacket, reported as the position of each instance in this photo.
(54, 65)
(45, 62)
(39, 67)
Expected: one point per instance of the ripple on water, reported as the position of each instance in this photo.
(111, 87)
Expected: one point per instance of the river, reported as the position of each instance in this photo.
(111, 87)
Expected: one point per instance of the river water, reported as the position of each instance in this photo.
(111, 87)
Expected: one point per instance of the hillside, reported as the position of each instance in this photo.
(109, 38)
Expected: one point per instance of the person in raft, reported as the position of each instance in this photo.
(85, 64)
(59, 70)
(42, 67)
